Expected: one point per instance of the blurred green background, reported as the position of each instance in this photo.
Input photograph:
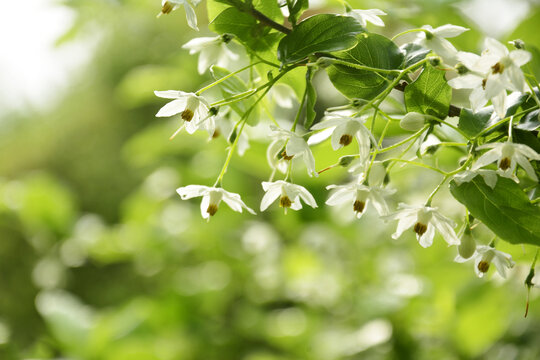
(100, 259)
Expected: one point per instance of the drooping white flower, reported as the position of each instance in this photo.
(212, 196)
(359, 196)
(189, 6)
(365, 16)
(288, 145)
(485, 256)
(435, 39)
(289, 195)
(192, 108)
(213, 50)
(346, 128)
(508, 155)
(489, 176)
(424, 220)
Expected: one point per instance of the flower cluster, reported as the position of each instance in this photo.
(487, 78)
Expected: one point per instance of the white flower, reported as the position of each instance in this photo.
(508, 155)
(213, 50)
(346, 129)
(289, 195)
(189, 6)
(424, 220)
(435, 39)
(485, 255)
(211, 198)
(365, 16)
(359, 196)
(288, 145)
(489, 176)
(192, 108)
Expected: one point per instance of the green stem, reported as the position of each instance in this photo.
(404, 141)
(449, 125)
(406, 32)
(396, 160)
(359, 67)
(299, 112)
(200, 91)
(428, 202)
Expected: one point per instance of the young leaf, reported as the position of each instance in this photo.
(256, 36)
(429, 94)
(319, 33)
(311, 100)
(505, 210)
(372, 50)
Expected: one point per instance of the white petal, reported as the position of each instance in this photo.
(197, 44)
(487, 158)
(172, 108)
(379, 203)
(340, 196)
(495, 47)
(272, 193)
(478, 98)
(426, 240)
(235, 202)
(171, 94)
(448, 31)
(307, 197)
(446, 228)
(204, 207)
(490, 178)
(467, 81)
(296, 145)
(499, 103)
(516, 78)
(191, 16)
(191, 191)
(406, 221)
(520, 57)
(524, 163)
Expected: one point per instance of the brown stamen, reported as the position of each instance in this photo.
(187, 115)
(420, 228)
(212, 209)
(359, 206)
(484, 81)
(345, 139)
(285, 202)
(216, 134)
(498, 68)
(505, 163)
(285, 156)
(483, 266)
(167, 8)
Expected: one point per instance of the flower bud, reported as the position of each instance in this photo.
(377, 174)
(346, 160)
(461, 69)
(226, 38)
(434, 61)
(518, 44)
(467, 246)
(413, 121)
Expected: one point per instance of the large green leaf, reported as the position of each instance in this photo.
(319, 33)
(506, 210)
(429, 94)
(473, 123)
(372, 50)
(256, 36)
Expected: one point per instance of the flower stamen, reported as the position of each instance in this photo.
(420, 228)
(345, 139)
(187, 115)
(284, 201)
(359, 206)
(167, 7)
(498, 68)
(505, 163)
(285, 156)
(483, 266)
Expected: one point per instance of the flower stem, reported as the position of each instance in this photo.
(200, 91)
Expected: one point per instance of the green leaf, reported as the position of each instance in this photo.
(473, 123)
(233, 86)
(270, 8)
(256, 36)
(319, 33)
(372, 50)
(506, 210)
(526, 138)
(413, 54)
(429, 94)
(296, 7)
(311, 100)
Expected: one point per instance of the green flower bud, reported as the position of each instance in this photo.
(467, 246)
(413, 121)
(461, 69)
(346, 160)
(435, 61)
(518, 44)
(226, 38)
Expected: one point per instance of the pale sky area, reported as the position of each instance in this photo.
(32, 71)
(35, 73)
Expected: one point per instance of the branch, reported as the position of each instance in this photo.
(267, 21)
